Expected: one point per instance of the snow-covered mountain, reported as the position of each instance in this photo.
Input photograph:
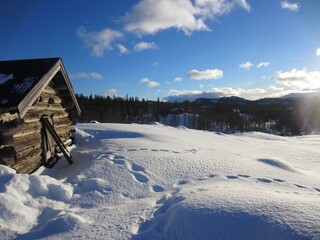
(157, 182)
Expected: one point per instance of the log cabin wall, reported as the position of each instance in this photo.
(29, 90)
(24, 154)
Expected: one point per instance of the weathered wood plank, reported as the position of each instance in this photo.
(7, 117)
(28, 128)
(48, 97)
(34, 115)
(46, 106)
(28, 165)
(28, 152)
(49, 89)
(22, 143)
(61, 121)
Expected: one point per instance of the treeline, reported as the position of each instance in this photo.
(283, 117)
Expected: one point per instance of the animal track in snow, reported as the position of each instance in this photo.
(132, 150)
(278, 180)
(232, 177)
(264, 180)
(212, 175)
(299, 186)
(243, 175)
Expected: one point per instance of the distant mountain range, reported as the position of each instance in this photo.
(264, 101)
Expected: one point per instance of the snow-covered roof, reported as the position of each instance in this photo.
(22, 81)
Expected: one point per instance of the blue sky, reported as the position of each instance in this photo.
(172, 49)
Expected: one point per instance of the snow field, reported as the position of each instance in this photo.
(157, 182)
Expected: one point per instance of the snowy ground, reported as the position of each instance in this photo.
(157, 182)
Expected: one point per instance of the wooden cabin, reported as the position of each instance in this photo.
(37, 108)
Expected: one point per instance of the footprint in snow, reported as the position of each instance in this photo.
(157, 188)
(183, 182)
(119, 161)
(317, 189)
(136, 168)
(299, 186)
(140, 177)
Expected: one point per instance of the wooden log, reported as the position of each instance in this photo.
(64, 136)
(28, 152)
(65, 127)
(48, 97)
(61, 121)
(28, 128)
(28, 165)
(7, 117)
(34, 115)
(49, 89)
(67, 142)
(22, 143)
(47, 107)
(63, 131)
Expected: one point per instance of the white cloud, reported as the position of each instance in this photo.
(182, 95)
(178, 79)
(141, 46)
(212, 8)
(247, 65)
(318, 52)
(227, 91)
(98, 42)
(217, 92)
(152, 16)
(206, 74)
(290, 6)
(149, 82)
(274, 88)
(263, 64)
(144, 80)
(110, 92)
(299, 79)
(122, 49)
(92, 75)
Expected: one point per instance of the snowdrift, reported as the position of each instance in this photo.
(158, 182)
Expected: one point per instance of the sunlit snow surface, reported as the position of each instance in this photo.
(158, 182)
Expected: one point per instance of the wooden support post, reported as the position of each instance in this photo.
(56, 138)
